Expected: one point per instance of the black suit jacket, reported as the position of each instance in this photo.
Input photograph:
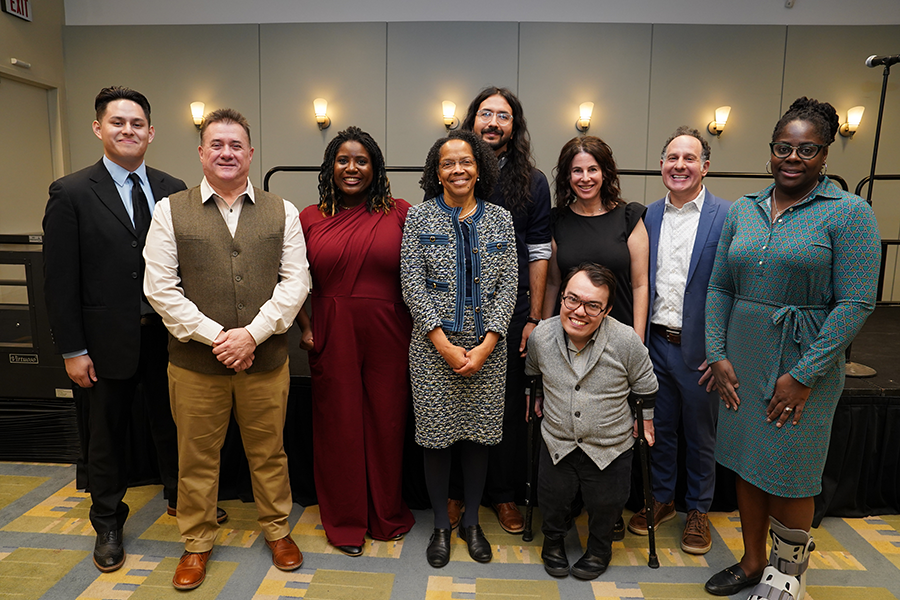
(94, 268)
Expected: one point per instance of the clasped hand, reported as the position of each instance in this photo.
(235, 349)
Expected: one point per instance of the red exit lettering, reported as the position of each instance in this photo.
(20, 8)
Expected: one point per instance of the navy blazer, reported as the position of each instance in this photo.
(712, 217)
(94, 268)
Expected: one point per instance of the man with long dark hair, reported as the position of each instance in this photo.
(496, 116)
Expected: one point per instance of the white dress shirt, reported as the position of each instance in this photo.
(162, 283)
(673, 259)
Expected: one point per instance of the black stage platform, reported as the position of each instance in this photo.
(862, 472)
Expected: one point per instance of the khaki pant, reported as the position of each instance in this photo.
(202, 406)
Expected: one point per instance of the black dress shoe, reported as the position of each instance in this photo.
(589, 566)
(553, 553)
(438, 551)
(730, 581)
(479, 547)
(618, 532)
(109, 554)
(351, 550)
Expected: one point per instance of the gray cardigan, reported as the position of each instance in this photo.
(590, 412)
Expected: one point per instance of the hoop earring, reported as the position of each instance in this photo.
(769, 167)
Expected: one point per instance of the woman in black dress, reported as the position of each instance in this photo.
(591, 223)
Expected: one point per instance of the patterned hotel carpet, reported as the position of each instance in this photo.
(46, 542)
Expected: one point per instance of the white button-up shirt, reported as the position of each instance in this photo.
(162, 283)
(673, 259)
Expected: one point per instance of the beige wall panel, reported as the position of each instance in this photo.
(431, 62)
(38, 42)
(836, 73)
(563, 65)
(173, 66)
(26, 168)
(697, 68)
(343, 63)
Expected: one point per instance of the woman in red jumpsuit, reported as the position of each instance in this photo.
(358, 343)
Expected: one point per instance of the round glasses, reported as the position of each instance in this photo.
(486, 115)
(593, 309)
(804, 151)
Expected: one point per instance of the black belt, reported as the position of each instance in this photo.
(673, 336)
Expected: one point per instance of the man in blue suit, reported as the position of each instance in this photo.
(684, 229)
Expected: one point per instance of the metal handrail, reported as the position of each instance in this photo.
(865, 180)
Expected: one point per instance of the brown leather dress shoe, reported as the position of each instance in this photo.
(191, 570)
(509, 516)
(221, 515)
(661, 513)
(454, 510)
(285, 554)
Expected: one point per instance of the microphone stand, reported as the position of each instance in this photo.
(853, 369)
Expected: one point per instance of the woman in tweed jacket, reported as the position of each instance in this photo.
(459, 276)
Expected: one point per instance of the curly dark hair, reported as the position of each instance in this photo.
(117, 92)
(379, 200)
(705, 150)
(485, 161)
(515, 185)
(820, 114)
(610, 193)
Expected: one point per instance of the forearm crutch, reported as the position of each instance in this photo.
(638, 403)
(534, 445)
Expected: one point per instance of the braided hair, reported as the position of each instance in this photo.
(379, 199)
(820, 114)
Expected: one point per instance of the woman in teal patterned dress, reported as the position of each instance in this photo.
(794, 281)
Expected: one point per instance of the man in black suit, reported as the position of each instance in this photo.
(95, 225)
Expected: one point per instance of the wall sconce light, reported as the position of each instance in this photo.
(718, 126)
(449, 111)
(321, 105)
(854, 116)
(197, 113)
(585, 110)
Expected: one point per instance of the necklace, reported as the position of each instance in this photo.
(777, 212)
(584, 211)
(463, 215)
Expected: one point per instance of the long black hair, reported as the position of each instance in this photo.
(515, 185)
(379, 198)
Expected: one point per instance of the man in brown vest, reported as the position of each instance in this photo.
(227, 270)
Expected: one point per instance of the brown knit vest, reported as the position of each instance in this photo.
(229, 279)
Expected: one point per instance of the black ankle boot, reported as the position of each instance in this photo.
(590, 566)
(553, 554)
(438, 551)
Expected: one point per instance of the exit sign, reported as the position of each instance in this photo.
(19, 8)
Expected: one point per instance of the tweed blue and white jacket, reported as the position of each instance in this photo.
(433, 268)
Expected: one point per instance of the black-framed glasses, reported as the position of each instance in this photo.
(804, 151)
(593, 309)
(486, 115)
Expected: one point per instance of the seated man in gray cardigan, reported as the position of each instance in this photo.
(590, 365)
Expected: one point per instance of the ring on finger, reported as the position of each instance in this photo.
(788, 409)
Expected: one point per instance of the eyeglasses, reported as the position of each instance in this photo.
(593, 309)
(804, 151)
(449, 165)
(486, 115)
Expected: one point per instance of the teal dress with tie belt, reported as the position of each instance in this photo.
(788, 297)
